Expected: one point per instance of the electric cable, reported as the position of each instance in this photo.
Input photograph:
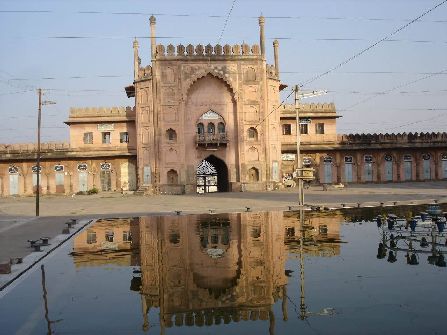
(226, 22)
(358, 54)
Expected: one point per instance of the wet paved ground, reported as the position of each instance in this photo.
(18, 224)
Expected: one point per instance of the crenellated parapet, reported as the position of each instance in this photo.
(313, 107)
(145, 72)
(102, 112)
(215, 316)
(208, 50)
(272, 73)
(32, 147)
(310, 110)
(402, 138)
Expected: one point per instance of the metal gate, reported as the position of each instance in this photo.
(426, 167)
(35, 183)
(206, 178)
(106, 181)
(408, 167)
(348, 169)
(147, 175)
(13, 184)
(83, 184)
(348, 172)
(60, 185)
(444, 168)
(327, 170)
(368, 172)
(388, 168)
(367, 168)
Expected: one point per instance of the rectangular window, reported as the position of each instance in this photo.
(88, 138)
(106, 137)
(304, 129)
(127, 237)
(319, 128)
(287, 129)
(109, 236)
(91, 237)
(124, 137)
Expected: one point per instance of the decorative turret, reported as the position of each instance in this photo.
(136, 60)
(152, 22)
(275, 54)
(261, 35)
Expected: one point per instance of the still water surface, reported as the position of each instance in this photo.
(240, 273)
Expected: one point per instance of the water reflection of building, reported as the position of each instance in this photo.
(322, 233)
(107, 241)
(208, 269)
(212, 269)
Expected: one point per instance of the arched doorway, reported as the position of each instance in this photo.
(212, 175)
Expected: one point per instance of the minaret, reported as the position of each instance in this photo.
(152, 23)
(261, 35)
(136, 60)
(275, 54)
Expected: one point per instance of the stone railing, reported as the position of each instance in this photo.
(208, 50)
(32, 147)
(211, 139)
(311, 108)
(392, 138)
(102, 111)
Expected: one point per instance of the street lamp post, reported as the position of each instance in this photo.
(302, 173)
(39, 118)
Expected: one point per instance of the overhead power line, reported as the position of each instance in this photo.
(408, 83)
(276, 108)
(417, 121)
(358, 54)
(226, 22)
(273, 17)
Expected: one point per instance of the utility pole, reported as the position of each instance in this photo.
(302, 174)
(298, 148)
(39, 118)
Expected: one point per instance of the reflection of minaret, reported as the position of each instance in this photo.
(150, 266)
(285, 316)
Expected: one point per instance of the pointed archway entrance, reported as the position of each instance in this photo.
(212, 175)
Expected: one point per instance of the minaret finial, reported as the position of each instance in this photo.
(152, 22)
(261, 35)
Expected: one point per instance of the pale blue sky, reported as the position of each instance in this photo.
(315, 35)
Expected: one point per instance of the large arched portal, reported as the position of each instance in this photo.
(212, 175)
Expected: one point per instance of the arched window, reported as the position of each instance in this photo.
(252, 134)
(211, 128)
(172, 177)
(171, 135)
(253, 174)
(200, 128)
(221, 128)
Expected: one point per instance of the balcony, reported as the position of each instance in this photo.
(211, 140)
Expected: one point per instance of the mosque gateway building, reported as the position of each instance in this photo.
(208, 118)
(203, 118)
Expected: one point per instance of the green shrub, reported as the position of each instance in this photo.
(94, 190)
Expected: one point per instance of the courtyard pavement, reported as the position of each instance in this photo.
(18, 223)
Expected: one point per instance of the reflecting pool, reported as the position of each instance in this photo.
(237, 273)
